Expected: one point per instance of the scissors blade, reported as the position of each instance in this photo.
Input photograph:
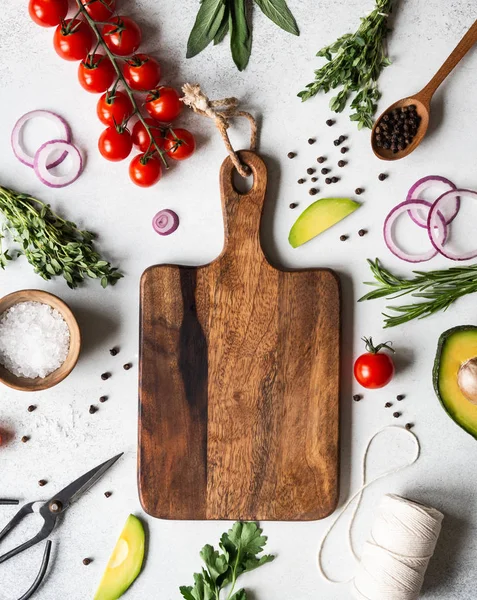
(72, 492)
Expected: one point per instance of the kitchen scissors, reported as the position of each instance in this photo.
(50, 511)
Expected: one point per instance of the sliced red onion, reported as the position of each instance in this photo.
(64, 133)
(389, 236)
(419, 216)
(165, 222)
(435, 229)
(41, 162)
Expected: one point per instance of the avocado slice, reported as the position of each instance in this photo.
(125, 562)
(455, 347)
(318, 217)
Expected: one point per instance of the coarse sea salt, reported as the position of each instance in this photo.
(34, 339)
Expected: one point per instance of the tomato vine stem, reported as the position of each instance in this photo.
(120, 77)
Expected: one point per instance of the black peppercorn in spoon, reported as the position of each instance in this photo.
(383, 147)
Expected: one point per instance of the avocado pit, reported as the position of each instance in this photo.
(467, 379)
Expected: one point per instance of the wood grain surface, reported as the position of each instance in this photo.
(239, 380)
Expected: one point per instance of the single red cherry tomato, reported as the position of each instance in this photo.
(96, 73)
(375, 369)
(142, 72)
(115, 144)
(164, 104)
(179, 144)
(114, 109)
(48, 13)
(122, 36)
(99, 10)
(145, 170)
(73, 39)
(141, 137)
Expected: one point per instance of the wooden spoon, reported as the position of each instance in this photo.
(422, 100)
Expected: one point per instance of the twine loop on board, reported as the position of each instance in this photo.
(221, 111)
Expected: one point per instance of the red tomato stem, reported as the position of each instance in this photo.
(372, 349)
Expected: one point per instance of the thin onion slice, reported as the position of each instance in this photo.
(165, 222)
(435, 229)
(41, 164)
(389, 235)
(64, 133)
(450, 212)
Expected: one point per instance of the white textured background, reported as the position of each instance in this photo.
(66, 440)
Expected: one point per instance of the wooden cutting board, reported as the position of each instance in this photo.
(239, 380)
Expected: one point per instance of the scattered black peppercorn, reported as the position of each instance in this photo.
(127, 366)
(388, 405)
(42, 482)
(114, 351)
(330, 122)
(105, 376)
(25, 438)
(31, 408)
(342, 138)
(409, 426)
(291, 154)
(103, 399)
(362, 232)
(336, 142)
(342, 163)
(313, 191)
(87, 561)
(344, 150)
(321, 159)
(313, 179)
(328, 180)
(301, 180)
(343, 238)
(310, 171)
(292, 205)
(357, 397)
(358, 191)
(396, 415)
(335, 179)
(92, 409)
(382, 176)
(311, 141)
(400, 397)
(108, 494)
(324, 171)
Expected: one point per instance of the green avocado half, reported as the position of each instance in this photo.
(455, 347)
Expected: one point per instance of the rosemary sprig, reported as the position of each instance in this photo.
(354, 63)
(52, 245)
(437, 289)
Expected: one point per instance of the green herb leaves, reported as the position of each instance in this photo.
(216, 18)
(239, 547)
(51, 245)
(354, 63)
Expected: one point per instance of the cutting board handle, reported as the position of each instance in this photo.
(243, 211)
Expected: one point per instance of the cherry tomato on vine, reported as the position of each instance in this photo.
(179, 144)
(142, 72)
(48, 13)
(96, 73)
(122, 36)
(375, 369)
(115, 144)
(99, 10)
(145, 169)
(141, 137)
(73, 39)
(114, 109)
(164, 104)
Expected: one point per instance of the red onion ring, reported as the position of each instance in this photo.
(41, 164)
(415, 192)
(389, 237)
(434, 228)
(64, 133)
(165, 222)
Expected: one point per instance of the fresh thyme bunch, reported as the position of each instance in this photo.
(51, 245)
(354, 63)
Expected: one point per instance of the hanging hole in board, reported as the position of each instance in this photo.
(242, 185)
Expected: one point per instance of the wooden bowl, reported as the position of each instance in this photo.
(26, 384)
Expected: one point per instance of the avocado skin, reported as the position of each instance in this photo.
(444, 337)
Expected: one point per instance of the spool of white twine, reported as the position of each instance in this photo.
(400, 544)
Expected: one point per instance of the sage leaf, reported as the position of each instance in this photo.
(207, 23)
(240, 36)
(223, 29)
(278, 12)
